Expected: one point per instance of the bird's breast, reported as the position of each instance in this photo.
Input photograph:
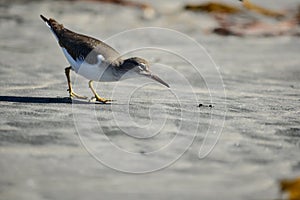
(96, 72)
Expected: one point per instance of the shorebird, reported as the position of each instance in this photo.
(95, 60)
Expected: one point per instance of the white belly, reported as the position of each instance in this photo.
(90, 72)
(94, 72)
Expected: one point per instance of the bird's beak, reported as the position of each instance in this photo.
(156, 78)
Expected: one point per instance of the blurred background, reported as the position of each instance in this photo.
(254, 43)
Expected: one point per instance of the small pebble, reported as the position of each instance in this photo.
(200, 104)
(142, 152)
(210, 106)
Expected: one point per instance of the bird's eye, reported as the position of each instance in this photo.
(142, 66)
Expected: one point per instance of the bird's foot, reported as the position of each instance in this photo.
(74, 95)
(100, 99)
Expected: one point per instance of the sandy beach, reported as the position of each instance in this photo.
(152, 142)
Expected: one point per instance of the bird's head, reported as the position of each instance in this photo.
(139, 67)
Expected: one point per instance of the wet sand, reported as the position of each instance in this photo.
(46, 139)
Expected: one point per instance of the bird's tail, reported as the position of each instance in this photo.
(55, 27)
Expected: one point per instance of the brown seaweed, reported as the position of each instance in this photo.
(291, 187)
(212, 7)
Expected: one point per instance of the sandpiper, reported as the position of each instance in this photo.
(95, 60)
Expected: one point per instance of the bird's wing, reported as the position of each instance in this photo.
(87, 48)
(83, 47)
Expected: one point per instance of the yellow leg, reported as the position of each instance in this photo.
(71, 93)
(98, 98)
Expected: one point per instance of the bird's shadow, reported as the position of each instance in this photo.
(45, 100)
